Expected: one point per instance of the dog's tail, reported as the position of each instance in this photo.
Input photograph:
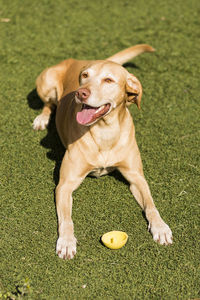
(129, 53)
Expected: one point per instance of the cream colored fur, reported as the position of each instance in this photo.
(96, 142)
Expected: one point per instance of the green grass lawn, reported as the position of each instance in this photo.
(37, 34)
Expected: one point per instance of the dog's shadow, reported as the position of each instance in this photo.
(130, 65)
(52, 141)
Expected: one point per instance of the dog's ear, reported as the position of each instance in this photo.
(133, 90)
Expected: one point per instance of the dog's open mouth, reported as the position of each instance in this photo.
(90, 114)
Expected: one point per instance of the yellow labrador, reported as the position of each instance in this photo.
(96, 128)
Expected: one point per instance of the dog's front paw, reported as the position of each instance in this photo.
(66, 247)
(161, 232)
(40, 122)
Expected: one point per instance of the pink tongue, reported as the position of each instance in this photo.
(85, 116)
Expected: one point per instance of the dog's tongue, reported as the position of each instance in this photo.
(86, 115)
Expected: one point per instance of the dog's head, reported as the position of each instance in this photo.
(104, 85)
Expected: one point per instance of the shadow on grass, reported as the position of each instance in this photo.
(34, 101)
(130, 65)
(51, 141)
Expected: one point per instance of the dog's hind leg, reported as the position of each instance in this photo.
(50, 91)
(42, 120)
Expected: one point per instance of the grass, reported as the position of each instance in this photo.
(37, 34)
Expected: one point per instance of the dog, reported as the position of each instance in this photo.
(97, 130)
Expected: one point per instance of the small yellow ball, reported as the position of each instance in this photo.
(114, 239)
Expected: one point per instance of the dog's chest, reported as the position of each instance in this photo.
(106, 138)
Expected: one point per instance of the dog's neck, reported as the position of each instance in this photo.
(106, 132)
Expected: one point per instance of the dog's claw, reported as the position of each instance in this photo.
(41, 122)
(66, 248)
(161, 233)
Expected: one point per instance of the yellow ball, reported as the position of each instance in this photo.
(114, 239)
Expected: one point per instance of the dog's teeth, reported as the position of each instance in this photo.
(100, 108)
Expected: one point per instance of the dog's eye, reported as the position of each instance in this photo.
(84, 75)
(108, 80)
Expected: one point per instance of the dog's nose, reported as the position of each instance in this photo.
(82, 94)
